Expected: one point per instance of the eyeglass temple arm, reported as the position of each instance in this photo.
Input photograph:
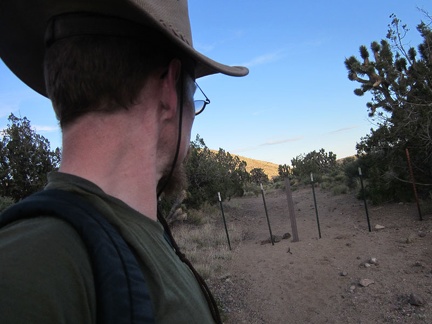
(207, 99)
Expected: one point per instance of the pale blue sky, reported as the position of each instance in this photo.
(297, 97)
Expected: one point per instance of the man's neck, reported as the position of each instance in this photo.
(119, 161)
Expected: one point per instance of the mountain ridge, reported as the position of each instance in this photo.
(271, 169)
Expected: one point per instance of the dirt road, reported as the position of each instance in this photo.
(350, 275)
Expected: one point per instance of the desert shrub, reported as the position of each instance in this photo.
(340, 189)
(209, 173)
(200, 216)
(382, 184)
(5, 202)
(277, 178)
(340, 177)
(326, 181)
(426, 206)
(295, 183)
(194, 217)
(251, 189)
(314, 162)
(351, 174)
(257, 175)
(279, 185)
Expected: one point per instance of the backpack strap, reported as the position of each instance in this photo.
(122, 293)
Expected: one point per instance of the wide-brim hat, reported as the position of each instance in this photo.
(23, 25)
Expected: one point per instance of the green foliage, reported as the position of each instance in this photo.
(5, 202)
(25, 159)
(284, 170)
(334, 181)
(251, 189)
(340, 189)
(318, 163)
(400, 82)
(350, 168)
(232, 173)
(258, 176)
(200, 216)
(327, 172)
(279, 185)
(210, 173)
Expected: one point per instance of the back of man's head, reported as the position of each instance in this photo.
(104, 73)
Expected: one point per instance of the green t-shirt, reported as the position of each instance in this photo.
(46, 276)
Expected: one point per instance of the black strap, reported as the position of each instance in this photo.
(121, 290)
(214, 309)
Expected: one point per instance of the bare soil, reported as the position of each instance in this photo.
(318, 280)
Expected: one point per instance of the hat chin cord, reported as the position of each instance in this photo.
(179, 136)
(204, 288)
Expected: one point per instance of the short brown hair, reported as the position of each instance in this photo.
(99, 73)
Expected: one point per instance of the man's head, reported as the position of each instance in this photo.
(104, 73)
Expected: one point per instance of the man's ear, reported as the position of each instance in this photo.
(169, 92)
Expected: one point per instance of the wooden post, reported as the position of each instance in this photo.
(291, 210)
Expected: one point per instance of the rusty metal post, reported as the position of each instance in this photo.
(223, 216)
(291, 210)
(315, 204)
(413, 184)
(265, 208)
(364, 198)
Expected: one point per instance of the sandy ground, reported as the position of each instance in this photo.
(319, 280)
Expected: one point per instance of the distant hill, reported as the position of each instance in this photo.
(271, 169)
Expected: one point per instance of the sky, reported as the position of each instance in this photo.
(297, 97)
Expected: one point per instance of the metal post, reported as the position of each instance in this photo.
(413, 183)
(265, 208)
(315, 203)
(364, 198)
(291, 210)
(223, 216)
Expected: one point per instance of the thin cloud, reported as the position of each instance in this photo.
(264, 59)
(315, 42)
(209, 47)
(8, 106)
(37, 128)
(10, 101)
(344, 129)
(268, 143)
(46, 128)
(205, 48)
(287, 140)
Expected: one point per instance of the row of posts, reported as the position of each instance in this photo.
(291, 206)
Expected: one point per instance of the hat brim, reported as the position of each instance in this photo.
(22, 31)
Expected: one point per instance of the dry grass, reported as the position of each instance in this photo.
(205, 245)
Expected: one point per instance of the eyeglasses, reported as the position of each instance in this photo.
(200, 104)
